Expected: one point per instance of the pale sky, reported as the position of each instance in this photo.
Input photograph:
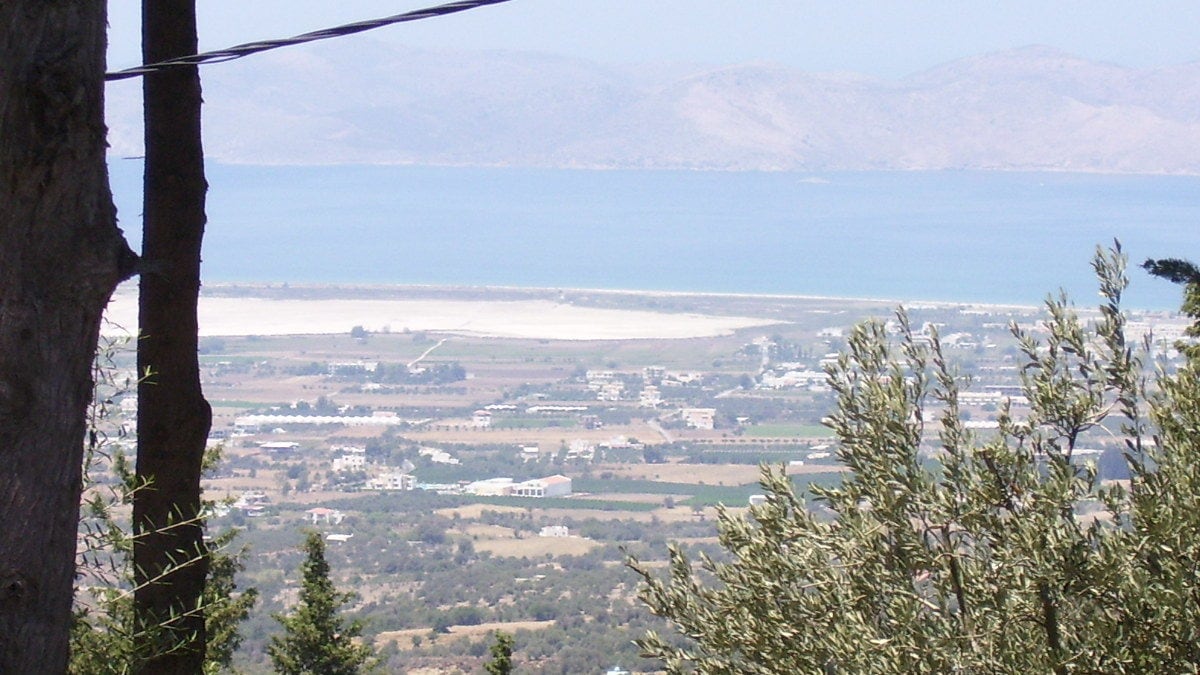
(886, 39)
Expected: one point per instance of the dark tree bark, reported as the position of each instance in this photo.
(173, 417)
(61, 256)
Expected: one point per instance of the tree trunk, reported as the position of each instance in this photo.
(61, 257)
(170, 559)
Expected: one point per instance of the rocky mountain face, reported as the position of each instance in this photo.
(359, 101)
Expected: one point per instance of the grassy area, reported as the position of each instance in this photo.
(788, 431)
(631, 486)
(695, 494)
(562, 503)
(730, 495)
(229, 403)
(533, 422)
(219, 357)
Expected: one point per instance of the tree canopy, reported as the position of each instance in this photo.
(501, 653)
(947, 549)
(316, 639)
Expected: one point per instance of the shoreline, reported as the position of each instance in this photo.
(530, 318)
(514, 312)
(284, 287)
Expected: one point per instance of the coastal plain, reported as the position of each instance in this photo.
(401, 422)
(230, 310)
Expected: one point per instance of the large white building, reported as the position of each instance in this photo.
(551, 486)
(491, 487)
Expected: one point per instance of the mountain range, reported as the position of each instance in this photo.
(1028, 109)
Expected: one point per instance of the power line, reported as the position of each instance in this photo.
(237, 52)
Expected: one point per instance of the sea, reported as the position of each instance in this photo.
(946, 236)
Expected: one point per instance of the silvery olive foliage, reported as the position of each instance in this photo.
(952, 550)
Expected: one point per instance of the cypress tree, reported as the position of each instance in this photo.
(501, 651)
(316, 639)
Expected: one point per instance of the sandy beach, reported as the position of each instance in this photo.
(534, 319)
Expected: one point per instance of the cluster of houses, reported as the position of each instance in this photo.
(607, 385)
(610, 386)
(351, 459)
(354, 459)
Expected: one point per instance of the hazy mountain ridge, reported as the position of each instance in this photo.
(1033, 108)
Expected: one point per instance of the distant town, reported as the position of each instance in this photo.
(467, 484)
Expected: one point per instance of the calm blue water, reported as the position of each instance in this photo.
(959, 236)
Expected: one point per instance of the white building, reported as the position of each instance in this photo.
(650, 397)
(610, 391)
(252, 503)
(795, 378)
(481, 418)
(491, 487)
(354, 462)
(551, 486)
(699, 418)
(392, 480)
(438, 456)
(352, 367)
(581, 448)
(554, 531)
(621, 442)
(322, 514)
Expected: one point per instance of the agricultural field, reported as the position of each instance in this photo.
(650, 435)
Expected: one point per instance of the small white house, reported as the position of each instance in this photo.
(392, 481)
(321, 514)
(650, 397)
(355, 462)
(279, 447)
(438, 456)
(699, 418)
(581, 448)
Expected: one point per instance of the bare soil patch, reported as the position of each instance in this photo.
(646, 498)
(475, 511)
(536, 547)
(677, 514)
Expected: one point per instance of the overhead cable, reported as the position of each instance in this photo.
(249, 48)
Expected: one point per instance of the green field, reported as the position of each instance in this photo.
(533, 422)
(788, 431)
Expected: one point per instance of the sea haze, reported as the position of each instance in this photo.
(909, 236)
(359, 102)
